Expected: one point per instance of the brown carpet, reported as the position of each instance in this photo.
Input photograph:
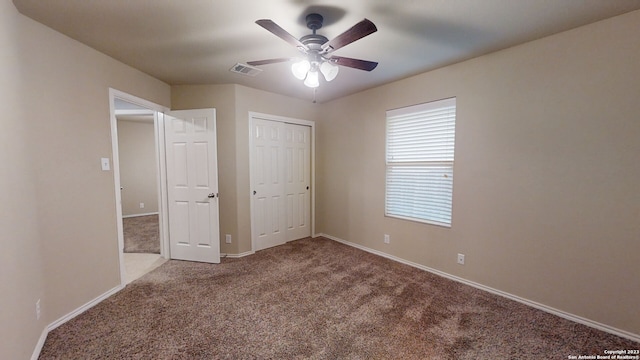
(315, 299)
(141, 234)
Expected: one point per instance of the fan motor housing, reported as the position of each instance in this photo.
(313, 41)
(314, 21)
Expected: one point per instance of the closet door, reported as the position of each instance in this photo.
(297, 150)
(268, 216)
(280, 181)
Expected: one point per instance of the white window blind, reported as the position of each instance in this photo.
(420, 148)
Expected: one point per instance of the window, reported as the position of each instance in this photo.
(420, 144)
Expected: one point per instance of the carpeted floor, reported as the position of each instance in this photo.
(315, 299)
(141, 234)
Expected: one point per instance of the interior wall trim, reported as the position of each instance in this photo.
(236, 256)
(563, 314)
(139, 215)
(69, 316)
(40, 344)
(84, 308)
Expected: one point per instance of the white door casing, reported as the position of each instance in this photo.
(158, 111)
(192, 185)
(281, 180)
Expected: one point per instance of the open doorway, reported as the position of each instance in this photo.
(187, 195)
(136, 158)
(138, 166)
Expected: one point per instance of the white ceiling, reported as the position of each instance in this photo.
(198, 41)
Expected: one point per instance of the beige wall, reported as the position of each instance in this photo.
(21, 269)
(222, 98)
(138, 170)
(58, 207)
(545, 204)
(233, 103)
(538, 136)
(248, 99)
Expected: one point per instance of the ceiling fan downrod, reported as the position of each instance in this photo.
(314, 21)
(314, 41)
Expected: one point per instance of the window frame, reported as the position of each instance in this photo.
(424, 167)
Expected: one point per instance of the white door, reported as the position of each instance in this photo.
(297, 180)
(192, 185)
(268, 220)
(281, 180)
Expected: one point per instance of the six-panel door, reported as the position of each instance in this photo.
(192, 183)
(281, 172)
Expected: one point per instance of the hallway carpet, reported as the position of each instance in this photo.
(141, 234)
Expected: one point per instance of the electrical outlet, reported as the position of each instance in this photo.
(227, 238)
(38, 309)
(141, 205)
(461, 259)
(387, 239)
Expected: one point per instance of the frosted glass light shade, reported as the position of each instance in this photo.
(300, 69)
(312, 79)
(329, 70)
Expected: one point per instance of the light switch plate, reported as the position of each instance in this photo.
(105, 164)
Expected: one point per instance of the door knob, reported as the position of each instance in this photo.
(212, 195)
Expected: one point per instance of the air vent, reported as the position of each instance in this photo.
(245, 69)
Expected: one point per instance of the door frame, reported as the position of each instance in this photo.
(288, 120)
(158, 111)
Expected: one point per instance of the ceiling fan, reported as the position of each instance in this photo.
(318, 50)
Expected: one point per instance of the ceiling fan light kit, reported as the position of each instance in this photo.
(300, 69)
(317, 50)
(304, 70)
(312, 80)
(329, 70)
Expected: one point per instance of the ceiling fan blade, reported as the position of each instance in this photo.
(358, 31)
(276, 30)
(268, 61)
(354, 63)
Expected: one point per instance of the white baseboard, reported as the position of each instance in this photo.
(560, 313)
(40, 344)
(235, 256)
(137, 215)
(69, 316)
(84, 308)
